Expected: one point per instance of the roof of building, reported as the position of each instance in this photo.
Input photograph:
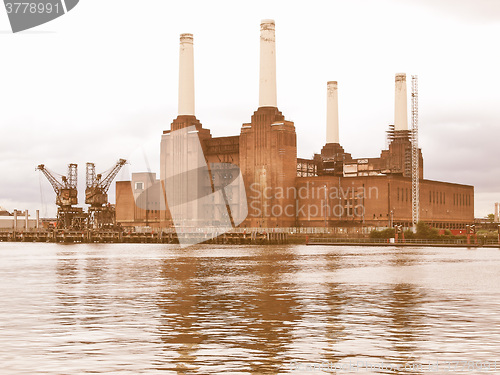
(4, 212)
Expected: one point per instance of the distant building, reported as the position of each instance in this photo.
(17, 221)
(4, 212)
(331, 189)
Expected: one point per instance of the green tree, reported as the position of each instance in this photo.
(425, 232)
(386, 233)
(409, 235)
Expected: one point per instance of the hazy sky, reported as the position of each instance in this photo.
(100, 83)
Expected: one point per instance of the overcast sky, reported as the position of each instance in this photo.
(100, 83)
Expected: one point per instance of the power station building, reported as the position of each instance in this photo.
(330, 190)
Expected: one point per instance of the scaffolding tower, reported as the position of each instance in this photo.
(415, 173)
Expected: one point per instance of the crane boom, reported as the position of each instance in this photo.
(97, 187)
(56, 185)
(106, 183)
(102, 215)
(66, 190)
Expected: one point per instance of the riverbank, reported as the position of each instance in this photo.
(252, 237)
(166, 237)
(392, 242)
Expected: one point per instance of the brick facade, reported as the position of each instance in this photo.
(380, 201)
(268, 160)
(332, 189)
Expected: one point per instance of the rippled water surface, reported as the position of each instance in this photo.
(134, 309)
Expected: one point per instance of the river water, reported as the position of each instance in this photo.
(157, 309)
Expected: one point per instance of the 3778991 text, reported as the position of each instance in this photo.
(33, 8)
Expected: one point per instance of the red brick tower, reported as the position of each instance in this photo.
(268, 149)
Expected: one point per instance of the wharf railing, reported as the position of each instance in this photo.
(288, 230)
(352, 231)
(387, 241)
(492, 242)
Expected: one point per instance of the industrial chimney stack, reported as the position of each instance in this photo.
(267, 86)
(400, 103)
(268, 146)
(186, 76)
(332, 113)
(186, 116)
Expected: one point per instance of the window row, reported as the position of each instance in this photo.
(403, 194)
(437, 197)
(462, 199)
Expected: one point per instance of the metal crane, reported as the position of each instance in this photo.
(102, 214)
(66, 190)
(68, 217)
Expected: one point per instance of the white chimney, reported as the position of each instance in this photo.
(267, 86)
(332, 113)
(186, 76)
(400, 103)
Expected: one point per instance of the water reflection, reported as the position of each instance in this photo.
(67, 271)
(406, 309)
(95, 297)
(240, 307)
(130, 309)
(336, 299)
(406, 328)
(179, 304)
(270, 311)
